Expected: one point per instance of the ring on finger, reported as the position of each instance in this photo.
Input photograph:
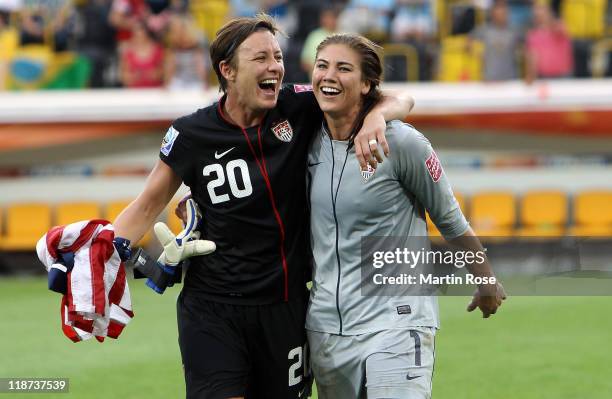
(372, 142)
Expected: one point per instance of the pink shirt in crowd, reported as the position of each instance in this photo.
(144, 69)
(553, 52)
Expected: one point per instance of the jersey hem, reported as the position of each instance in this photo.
(369, 331)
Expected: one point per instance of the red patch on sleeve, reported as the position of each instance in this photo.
(434, 167)
(302, 88)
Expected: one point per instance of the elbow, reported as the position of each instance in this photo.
(410, 103)
(406, 103)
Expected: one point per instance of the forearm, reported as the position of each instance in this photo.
(469, 242)
(395, 105)
(138, 217)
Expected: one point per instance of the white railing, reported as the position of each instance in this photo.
(431, 98)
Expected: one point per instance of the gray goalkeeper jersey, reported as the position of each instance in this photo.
(390, 202)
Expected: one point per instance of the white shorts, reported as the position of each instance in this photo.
(390, 364)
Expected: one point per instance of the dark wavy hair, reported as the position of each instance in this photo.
(230, 37)
(371, 71)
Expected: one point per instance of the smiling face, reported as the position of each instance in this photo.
(256, 73)
(337, 80)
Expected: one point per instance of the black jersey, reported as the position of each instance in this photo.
(250, 186)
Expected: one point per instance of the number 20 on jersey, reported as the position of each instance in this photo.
(219, 175)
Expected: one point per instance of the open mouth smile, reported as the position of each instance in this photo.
(268, 85)
(330, 91)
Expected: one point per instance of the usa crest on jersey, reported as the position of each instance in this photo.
(367, 172)
(283, 131)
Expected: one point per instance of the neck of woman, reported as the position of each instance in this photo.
(340, 125)
(240, 115)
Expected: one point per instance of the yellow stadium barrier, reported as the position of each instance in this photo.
(593, 214)
(70, 212)
(543, 214)
(493, 214)
(584, 19)
(25, 224)
(460, 59)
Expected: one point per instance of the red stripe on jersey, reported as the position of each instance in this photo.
(264, 172)
(267, 177)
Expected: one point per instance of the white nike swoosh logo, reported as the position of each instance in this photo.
(218, 156)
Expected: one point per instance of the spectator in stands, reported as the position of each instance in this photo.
(124, 15)
(31, 24)
(414, 20)
(414, 23)
(162, 11)
(39, 17)
(501, 45)
(96, 39)
(367, 17)
(328, 24)
(142, 60)
(462, 16)
(549, 48)
(185, 64)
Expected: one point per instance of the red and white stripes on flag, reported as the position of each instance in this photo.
(97, 302)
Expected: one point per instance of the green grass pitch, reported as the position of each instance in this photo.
(534, 348)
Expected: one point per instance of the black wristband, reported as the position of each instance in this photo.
(158, 277)
(123, 248)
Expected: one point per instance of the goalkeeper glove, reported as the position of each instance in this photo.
(178, 248)
(187, 243)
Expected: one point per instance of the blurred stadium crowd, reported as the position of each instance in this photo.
(163, 43)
